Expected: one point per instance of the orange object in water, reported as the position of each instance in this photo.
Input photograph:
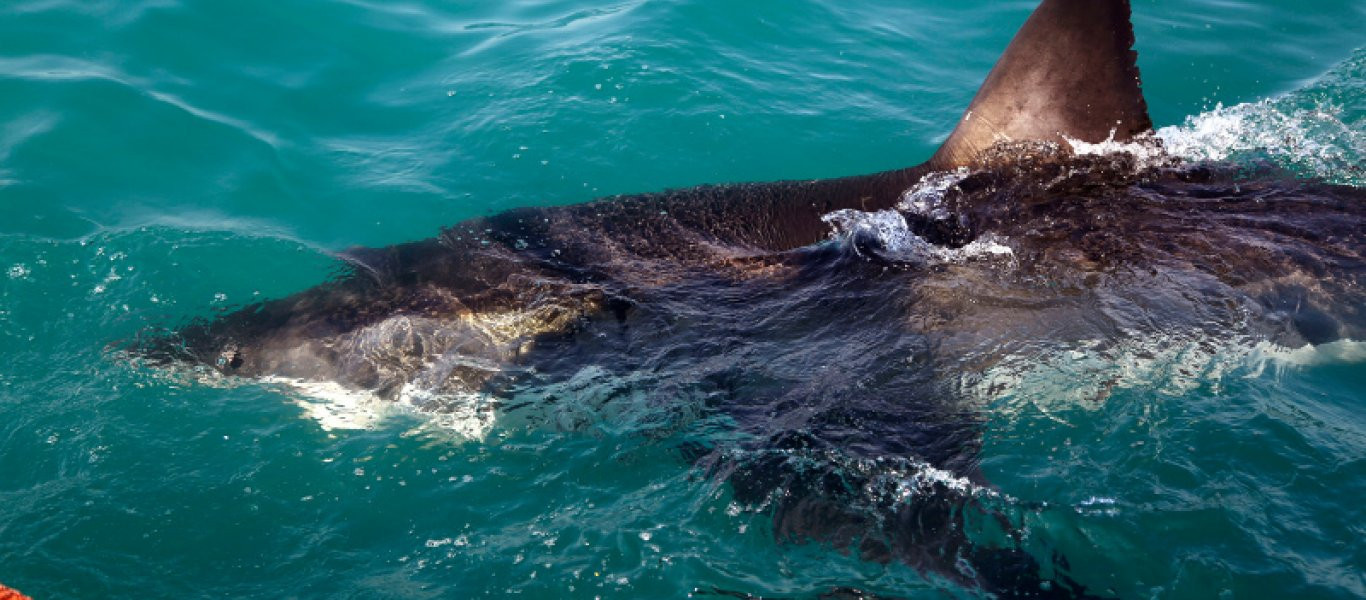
(11, 594)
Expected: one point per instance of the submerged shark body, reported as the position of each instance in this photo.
(835, 324)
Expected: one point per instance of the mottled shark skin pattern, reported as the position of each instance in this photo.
(834, 323)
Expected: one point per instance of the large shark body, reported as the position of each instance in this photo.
(836, 323)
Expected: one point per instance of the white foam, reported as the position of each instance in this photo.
(886, 479)
(926, 197)
(1081, 376)
(908, 477)
(337, 407)
(921, 476)
(470, 415)
(1146, 150)
(898, 242)
(986, 246)
(1056, 381)
(332, 405)
(888, 227)
(1314, 140)
(1099, 505)
(1339, 352)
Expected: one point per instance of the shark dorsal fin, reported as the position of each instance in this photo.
(1070, 72)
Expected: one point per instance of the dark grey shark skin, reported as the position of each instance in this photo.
(840, 361)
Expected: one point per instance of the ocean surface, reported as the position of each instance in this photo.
(162, 160)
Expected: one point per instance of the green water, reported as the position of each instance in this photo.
(165, 159)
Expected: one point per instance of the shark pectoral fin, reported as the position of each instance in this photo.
(1070, 73)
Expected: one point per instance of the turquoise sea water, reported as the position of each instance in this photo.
(166, 159)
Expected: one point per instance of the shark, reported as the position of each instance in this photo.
(834, 325)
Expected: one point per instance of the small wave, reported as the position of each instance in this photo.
(910, 477)
(1339, 352)
(1311, 141)
(926, 198)
(1317, 131)
(1098, 506)
(883, 480)
(892, 234)
(1147, 150)
(887, 227)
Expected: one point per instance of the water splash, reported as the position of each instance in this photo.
(887, 227)
(892, 234)
(1318, 131)
(1311, 141)
(468, 415)
(895, 240)
(1147, 150)
(926, 198)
